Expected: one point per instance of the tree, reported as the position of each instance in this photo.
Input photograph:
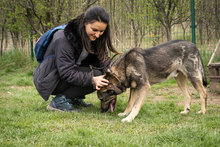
(208, 19)
(170, 12)
(137, 19)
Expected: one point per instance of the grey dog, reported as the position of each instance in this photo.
(138, 69)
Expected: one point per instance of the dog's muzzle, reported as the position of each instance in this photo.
(109, 98)
(105, 105)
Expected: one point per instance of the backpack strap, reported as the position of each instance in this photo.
(42, 43)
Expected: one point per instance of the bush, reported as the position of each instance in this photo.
(12, 60)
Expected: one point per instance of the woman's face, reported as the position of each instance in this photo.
(95, 30)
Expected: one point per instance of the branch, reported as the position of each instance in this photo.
(88, 4)
(33, 9)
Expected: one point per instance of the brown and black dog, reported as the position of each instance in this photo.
(138, 69)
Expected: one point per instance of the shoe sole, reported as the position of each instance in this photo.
(54, 109)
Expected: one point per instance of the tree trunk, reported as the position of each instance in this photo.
(184, 31)
(200, 31)
(168, 33)
(6, 40)
(2, 41)
(134, 33)
(14, 37)
(217, 17)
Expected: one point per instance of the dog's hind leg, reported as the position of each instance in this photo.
(133, 94)
(196, 75)
(181, 80)
(141, 94)
(198, 85)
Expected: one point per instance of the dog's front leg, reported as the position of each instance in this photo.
(133, 95)
(141, 94)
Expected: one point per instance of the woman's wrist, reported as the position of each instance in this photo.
(93, 83)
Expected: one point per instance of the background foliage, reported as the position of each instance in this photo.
(142, 23)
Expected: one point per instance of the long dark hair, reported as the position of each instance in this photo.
(101, 44)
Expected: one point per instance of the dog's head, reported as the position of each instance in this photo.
(108, 94)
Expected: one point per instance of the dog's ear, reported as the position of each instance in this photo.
(108, 72)
(117, 90)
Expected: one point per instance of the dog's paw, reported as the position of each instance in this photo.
(200, 112)
(122, 114)
(184, 112)
(127, 119)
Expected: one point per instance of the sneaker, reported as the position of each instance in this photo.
(81, 102)
(61, 103)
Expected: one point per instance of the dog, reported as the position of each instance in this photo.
(139, 68)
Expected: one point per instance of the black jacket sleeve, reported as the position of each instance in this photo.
(66, 65)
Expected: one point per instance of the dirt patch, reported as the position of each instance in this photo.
(213, 97)
(20, 87)
(158, 98)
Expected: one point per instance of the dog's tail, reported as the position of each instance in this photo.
(203, 72)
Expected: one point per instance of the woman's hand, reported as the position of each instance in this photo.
(99, 82)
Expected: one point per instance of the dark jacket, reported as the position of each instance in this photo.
(66, 45)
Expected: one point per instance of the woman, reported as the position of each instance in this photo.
(70, 75)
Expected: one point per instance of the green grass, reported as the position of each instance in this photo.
(24, 120)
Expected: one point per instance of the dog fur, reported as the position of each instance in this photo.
(138, 69)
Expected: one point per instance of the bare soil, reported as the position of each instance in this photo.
(213, 97)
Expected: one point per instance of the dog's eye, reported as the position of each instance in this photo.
(111, 92)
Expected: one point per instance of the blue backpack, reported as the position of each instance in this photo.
(42, 44)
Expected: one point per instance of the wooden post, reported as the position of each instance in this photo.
(213, 55)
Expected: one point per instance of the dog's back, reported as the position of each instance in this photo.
(177, 55)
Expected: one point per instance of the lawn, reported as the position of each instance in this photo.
(24, 120)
